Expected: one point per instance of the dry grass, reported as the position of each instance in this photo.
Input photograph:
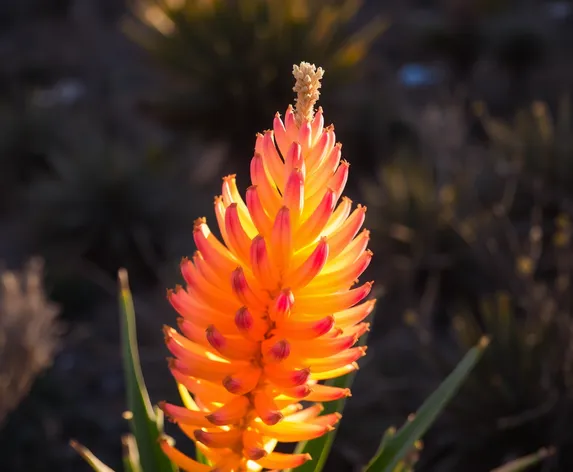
(29, 333)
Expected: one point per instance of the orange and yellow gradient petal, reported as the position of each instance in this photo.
(285, 273)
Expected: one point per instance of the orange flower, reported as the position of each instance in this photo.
(272, 310)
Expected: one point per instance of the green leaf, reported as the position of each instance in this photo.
(395, 448)
(88, 456)
(130, 454)
(319, 448)
(200, 457)
(524, 463)
(143, 421)
(389, 434)
(159, 418)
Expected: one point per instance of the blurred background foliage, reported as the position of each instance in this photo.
(118, 119)
(212, 48)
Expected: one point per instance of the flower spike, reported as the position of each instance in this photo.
(272, 308)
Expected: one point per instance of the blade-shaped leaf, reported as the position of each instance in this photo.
(159, 418)
(395, 448)
(200, 457)
(87, 455)
(142, 419)
(524, 463)
(130, 454)
(319, 448)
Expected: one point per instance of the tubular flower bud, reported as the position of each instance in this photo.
(273, 308)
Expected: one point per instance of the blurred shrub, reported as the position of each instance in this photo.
(410, 208)
(434, 199)
(518, 399)
(103, 205)
(477, 240)
(537, 144)
(417, 200)
(212, 47)
(29, 334)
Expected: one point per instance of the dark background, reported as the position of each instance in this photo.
(457, 123)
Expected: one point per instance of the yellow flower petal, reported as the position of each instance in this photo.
(181, 460)
(179, 414)
(219, 439)
(266, 408)
(243, 381)
(280, 461)
(260, 217)
(231, 413)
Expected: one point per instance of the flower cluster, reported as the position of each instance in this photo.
(273, 310)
